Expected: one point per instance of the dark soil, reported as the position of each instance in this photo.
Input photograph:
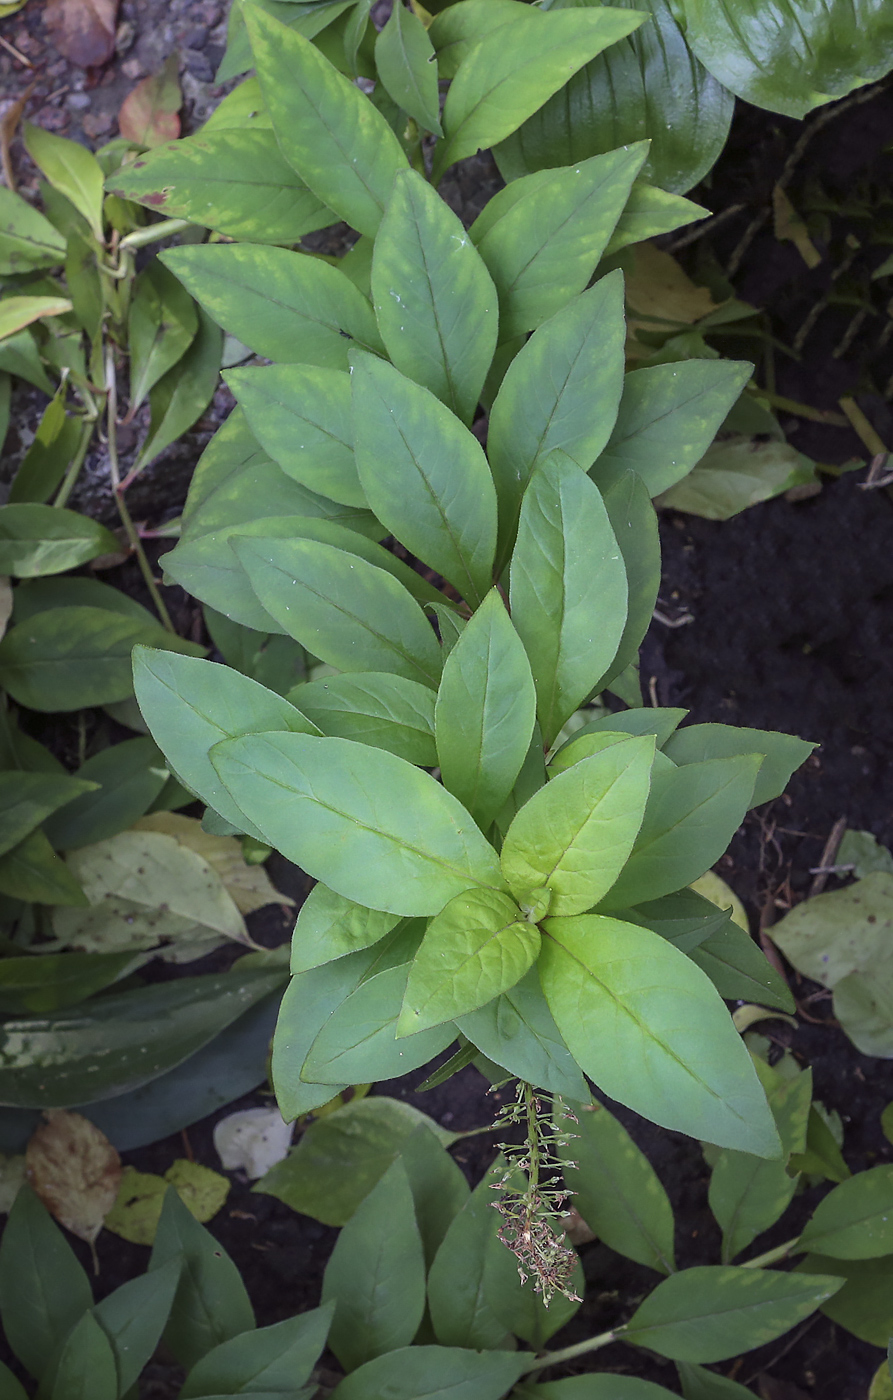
(791, 611)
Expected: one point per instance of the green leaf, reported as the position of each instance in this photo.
(461, 1310)
(477, 947)
(55, 980)
(38, 595)
(659, 722)
(854, 1220)
(330, 926)
(376, 1274)
(27, 239)
(566, 573)
(386, 712)
(27, 799)
(542, 236)
(191, 705)
(278, 1358)
(457, 28)
(865, 853)
(327, 129)
(235, 182)
(739, 969)
(286, 306)
(405, 59)
(485, 712)
(650, 212)
(701, 1384)
(160, 328)
(574, 836)
(747, 1194)
(615, 991)
(182, 395)
(43, 1289)
(498, 84)
(843, 932)
(346, 611)
(86, 1367)
(434, 1373)
(19, 356)
(301, 415)
(863, 1305)
(425, 476)
(668, 417)
(33, 872)
(37, 539)
(10, 1388)
(782, 754)
(211, 1304)
(517, 1031)
(634, 523)
(617, 1191)
(123, 1039)
(605, 1386)
(736, 473)
(797, 58)
(560, 391)
(18, 312)
(408, 845)
(822, 1155)
(134, 1317)
(45, 462)
(308, 19)
(691, 816)
(711, 1312)
(435, 302)
(439, 1188)
(648, 85)
(129, 777)
(341, 1157)
(72, 170)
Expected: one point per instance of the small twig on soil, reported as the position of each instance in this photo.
(823, 869)
(705, 226)
(11, 48)
(8, 127)
(680, 621)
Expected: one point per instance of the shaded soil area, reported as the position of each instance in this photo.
(790, 608)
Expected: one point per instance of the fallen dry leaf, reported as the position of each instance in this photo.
(248, 885)
(137, 1209)
(75, 1171)
(148, 115)
(83, 30)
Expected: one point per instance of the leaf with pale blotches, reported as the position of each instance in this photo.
(83, 30)
(148, 115)
(75, 1171)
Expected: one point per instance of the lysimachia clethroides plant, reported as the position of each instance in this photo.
(495, 871)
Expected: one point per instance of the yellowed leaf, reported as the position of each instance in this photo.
(75, 1171)
(790, 228)
(712, 887)
(748, 1015)
(657, 289)
(881, 1384)
(137, 1210)
(249, 886)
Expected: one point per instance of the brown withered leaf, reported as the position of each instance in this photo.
(83, 30)
(148, 115)
(75, 1171)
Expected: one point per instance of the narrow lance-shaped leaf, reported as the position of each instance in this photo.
(436, 304)
(27, 239)
(406, 63)
(279, 1358)
(161, 327)
(72, 170)
(634, 522)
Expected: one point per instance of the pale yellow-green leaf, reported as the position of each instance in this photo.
(18, 312)
(881, 1387)
(714, 888)
(137, 1210)
(249, 885)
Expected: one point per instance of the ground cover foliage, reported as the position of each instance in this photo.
(503, 866)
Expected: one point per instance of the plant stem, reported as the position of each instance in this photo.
(781, 1251)
(126, 520)
(154, 233)
(555, 1358)
(77, 462)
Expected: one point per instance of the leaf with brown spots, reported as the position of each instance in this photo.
(75, 1171)
(83, 30)
(148, 115)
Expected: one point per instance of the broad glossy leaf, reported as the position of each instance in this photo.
(190, 705)
(485, 711)
(668, 417)
(286, 306)
(406, 65)
(72, 170)
(85, 1364)
(301, 415)
(424, 475)
(33, 872)
(183, 394)
(461, 1312)
(782, 753)
(37, 539)
(517, 1031)
(386, 712)
(27, 239)
(434, 1373)
(634, 522)
(346, 611)
(376, 1274)
(477, 947)
(574, 836)
(617, 1191)
(561, 391)
(408, 846)
(498, 84)
(129, 776)
(359, 1038)
(35, 985)
(211, 1304)
(542, 236)
(434, 298)
(116, 1042)
(27, 799)
(161, 326)
(43, 1289)
(795, 58)
(711, 1313)
(691, 816)
(649, 1029)
(278, 1358)
(235, 182)
(134, 1317)
(854, 1220)
(568, 589)
(326, 128)
(649, 86)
